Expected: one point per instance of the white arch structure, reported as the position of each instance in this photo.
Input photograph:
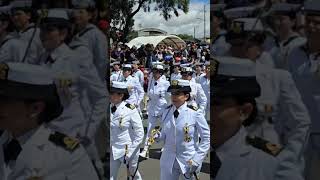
(172, 40)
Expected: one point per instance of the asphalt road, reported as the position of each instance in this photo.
(150, 168)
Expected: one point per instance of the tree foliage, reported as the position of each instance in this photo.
(121, 13)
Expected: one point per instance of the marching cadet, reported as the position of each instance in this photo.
(219, 45)
(96, 41)
(11, 48)
(137, 73)
(157, 92)
(281, 115)
(233, 104)
(284, 22)
(22, 18)
(116, 74)
(29, 149)
(197, 99)
(204, 81)
(73, 75)
(182, 155)
(198, 71)
(135, 89)
(307, 77)
(126, 132)
(176, 72)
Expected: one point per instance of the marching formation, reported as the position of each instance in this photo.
(171, 92)
(53, 93)
(266, 90)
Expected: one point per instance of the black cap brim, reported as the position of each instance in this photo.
(22, 91)
(173, 89)
(119, 90)
(224, 86)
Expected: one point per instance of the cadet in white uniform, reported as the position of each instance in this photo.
(198, 71)
(241, 156)
(90, 34)
(284, 20)
(157, 93)
(28, 148)
(137, 73)
(176, 72)
(306, 73)
(116, 74)
(182, 155)
(219, 46)
(22, 16)
(135, 89)
(281, 115)
(198, 98)
(73, 75)
(204, 81)
(126, 132)
(11, 48)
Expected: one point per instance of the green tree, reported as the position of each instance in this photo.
(121, 13)
(185, 37)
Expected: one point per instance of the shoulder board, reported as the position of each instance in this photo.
(64, 141)
(264, 145)
(169, 106)
(192, 107)
(130, 106)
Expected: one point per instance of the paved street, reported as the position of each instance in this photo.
(150, 168)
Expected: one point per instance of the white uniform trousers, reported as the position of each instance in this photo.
(165, 173)
(133, 163)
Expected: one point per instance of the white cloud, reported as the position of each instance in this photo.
(184, 24)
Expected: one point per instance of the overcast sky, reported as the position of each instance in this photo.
(184, 24)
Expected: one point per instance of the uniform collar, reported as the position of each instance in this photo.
(120, 104)
(183, 106)
(235, 146)
(62, 49)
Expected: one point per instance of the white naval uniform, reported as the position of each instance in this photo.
(97, 44)
(135, 90)
(125, 129)
(175, 76)
(282, 116)
(116, 76)
(266, 59)
(36, 48)
(307, 77)
(281, 53)
(74, 75)
(219, 45)
(157, 102)
(89, 98)
(43, 158)
(241, 161)
(12, 49)
(205, 84)
(197, 96)
(197, 77)
(139, 76)
(176, 151)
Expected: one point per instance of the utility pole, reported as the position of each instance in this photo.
(204, 23)
(194, 32)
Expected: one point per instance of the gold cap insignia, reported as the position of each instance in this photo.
(174, 83)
